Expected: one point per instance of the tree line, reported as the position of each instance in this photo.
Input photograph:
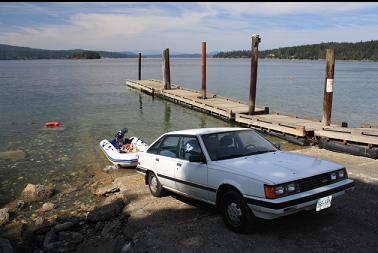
(343, 51)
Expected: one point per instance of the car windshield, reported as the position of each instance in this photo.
(227, 145)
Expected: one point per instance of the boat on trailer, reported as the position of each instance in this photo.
(121, 151)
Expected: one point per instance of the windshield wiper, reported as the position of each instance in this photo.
(230, 156)
(260, 152)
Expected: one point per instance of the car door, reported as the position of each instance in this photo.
(191, 177)
(166, 160)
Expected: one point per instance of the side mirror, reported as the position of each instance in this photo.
(197, 159)
(277, 145)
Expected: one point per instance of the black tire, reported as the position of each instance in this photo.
(154, 185)
(236, 214)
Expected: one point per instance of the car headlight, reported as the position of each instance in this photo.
(333, 176)
(341, 173)
(279, 190)
(272, 192)
(291, 187)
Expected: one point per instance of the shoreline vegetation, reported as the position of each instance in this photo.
(85, 55)
(360, 51)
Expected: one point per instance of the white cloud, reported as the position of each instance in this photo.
(154, 29)
(279, 8)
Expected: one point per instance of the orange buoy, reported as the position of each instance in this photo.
(52, 124)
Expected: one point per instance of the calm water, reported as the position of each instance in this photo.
(92, 101)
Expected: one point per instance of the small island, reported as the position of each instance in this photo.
(85, 55)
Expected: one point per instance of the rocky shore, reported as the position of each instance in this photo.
(110, 210)
(86, 217)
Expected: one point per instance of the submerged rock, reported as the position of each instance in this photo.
(12, 155)
(48, 206)
(5, 246)
(36, 192)
(106, 212)
(4, 216)
(16, 205)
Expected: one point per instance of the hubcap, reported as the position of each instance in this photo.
(153, 184)
(234, 213)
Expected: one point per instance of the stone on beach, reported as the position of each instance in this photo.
(5, 246)
(65, 226)
(106, 212)
(12, 155)
(48, 206)
(36, 192)
(105, 190)
(15, 205)
(74, 237)
(4, 216)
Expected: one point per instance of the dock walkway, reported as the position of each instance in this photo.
(297, 129)
(213, 104)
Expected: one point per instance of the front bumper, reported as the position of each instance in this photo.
(274, 208)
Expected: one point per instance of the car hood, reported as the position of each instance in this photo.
(278, 167)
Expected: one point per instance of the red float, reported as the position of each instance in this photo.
(52, 124)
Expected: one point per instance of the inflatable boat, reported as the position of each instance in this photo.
(121, 151)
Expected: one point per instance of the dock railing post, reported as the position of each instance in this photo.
(254, 60)
(140, 67)
(328, 87)
(166, 70)
(203, 70)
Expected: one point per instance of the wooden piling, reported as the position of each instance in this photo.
(140, 67)
(328, 87)
(166, 70)
(203, 70)
(254, 60)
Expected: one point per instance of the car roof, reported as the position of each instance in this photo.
(201, 131)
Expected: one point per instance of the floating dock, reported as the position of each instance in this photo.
(215, 105)
(300, 130)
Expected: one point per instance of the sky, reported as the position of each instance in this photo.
(183, 26)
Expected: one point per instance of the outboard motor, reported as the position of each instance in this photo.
(120, 137)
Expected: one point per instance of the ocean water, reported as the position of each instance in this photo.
(92, 101)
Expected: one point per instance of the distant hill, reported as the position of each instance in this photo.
(8, 52)
(175, 55)
(343, 51)
(85, 55)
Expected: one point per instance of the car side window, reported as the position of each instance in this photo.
(155, 148)
(189, 146)
(169, 146)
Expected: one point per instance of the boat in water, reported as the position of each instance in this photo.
(121, 151)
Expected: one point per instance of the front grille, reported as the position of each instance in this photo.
(310, 183)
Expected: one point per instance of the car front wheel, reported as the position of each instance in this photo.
(236, 214)
(154, 185)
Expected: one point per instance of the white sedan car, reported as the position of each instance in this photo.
(242, 173)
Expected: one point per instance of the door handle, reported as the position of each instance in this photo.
(156, 159)
(179, 164)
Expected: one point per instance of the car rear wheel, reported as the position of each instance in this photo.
(154, 185)
(236, 214)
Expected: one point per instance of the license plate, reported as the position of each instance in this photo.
(323, 203)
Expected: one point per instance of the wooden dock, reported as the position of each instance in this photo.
(215, 105)
(297, 129)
